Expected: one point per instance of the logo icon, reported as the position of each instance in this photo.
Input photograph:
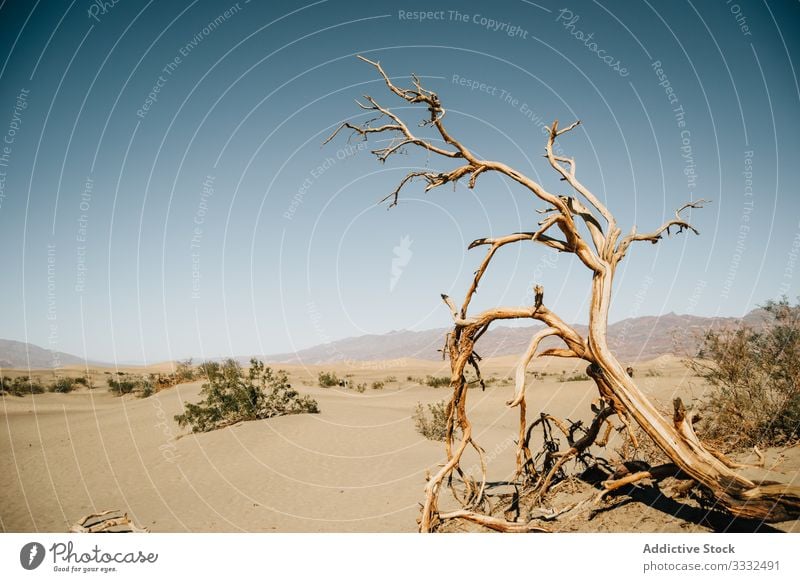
(402, 255)
(31, 555)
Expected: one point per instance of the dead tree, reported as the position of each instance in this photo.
(581, 225)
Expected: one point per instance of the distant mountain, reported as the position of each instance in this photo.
(14, 354)
(634, 339)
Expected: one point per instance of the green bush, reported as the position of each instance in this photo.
(21, 386)
(120, 387)
(433, 423)
(84, 381)
(437, 381)
(62, 385)
(328, 379)
(184, 372)
(232, 396)
(755, 380)
(146, 389)
(577, 377)
(207, 369)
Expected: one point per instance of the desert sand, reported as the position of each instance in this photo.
(358, 466)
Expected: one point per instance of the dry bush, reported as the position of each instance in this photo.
(328, 379)
(755, 380)
(432, 424)
(437, 381)
(576, 377)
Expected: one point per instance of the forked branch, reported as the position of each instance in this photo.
(679, 223)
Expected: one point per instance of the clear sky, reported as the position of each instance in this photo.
(164, 191)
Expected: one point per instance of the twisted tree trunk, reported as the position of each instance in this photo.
(741, 497)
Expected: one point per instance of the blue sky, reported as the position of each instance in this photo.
(165, 192)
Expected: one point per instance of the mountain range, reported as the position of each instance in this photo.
(15, 354)
(634, 339)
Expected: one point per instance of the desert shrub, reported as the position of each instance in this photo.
(232, 396)
(207, 369)
(146, 389)
(390, 379)
(437, 381)
(83, 381)
(21, 386)
(184, 372)
(755, 381)
(576, 377)
(378, 385)
(433, 423)
(160, 382)
(328, 379)
(361, 387)
(62, 385)
(120, 387)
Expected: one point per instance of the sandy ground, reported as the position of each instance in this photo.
(359, 465)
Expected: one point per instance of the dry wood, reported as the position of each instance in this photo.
(111, 521)
(496, 523)
(601, 255)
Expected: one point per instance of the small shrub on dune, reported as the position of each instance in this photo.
(207, 369)
(576, 377)
(437, 381)
(184, 372)
(21, 386)
(145, 389)
(62, 386)
(328, 379)
(83, 381)
(378, 385)
(232, 396)
(361, 387)
(121, 387)
(433, 423)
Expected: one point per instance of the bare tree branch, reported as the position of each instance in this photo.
(678, 223)
(475, 166)
(569, 174)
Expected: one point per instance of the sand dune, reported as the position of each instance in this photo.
(359, 465)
